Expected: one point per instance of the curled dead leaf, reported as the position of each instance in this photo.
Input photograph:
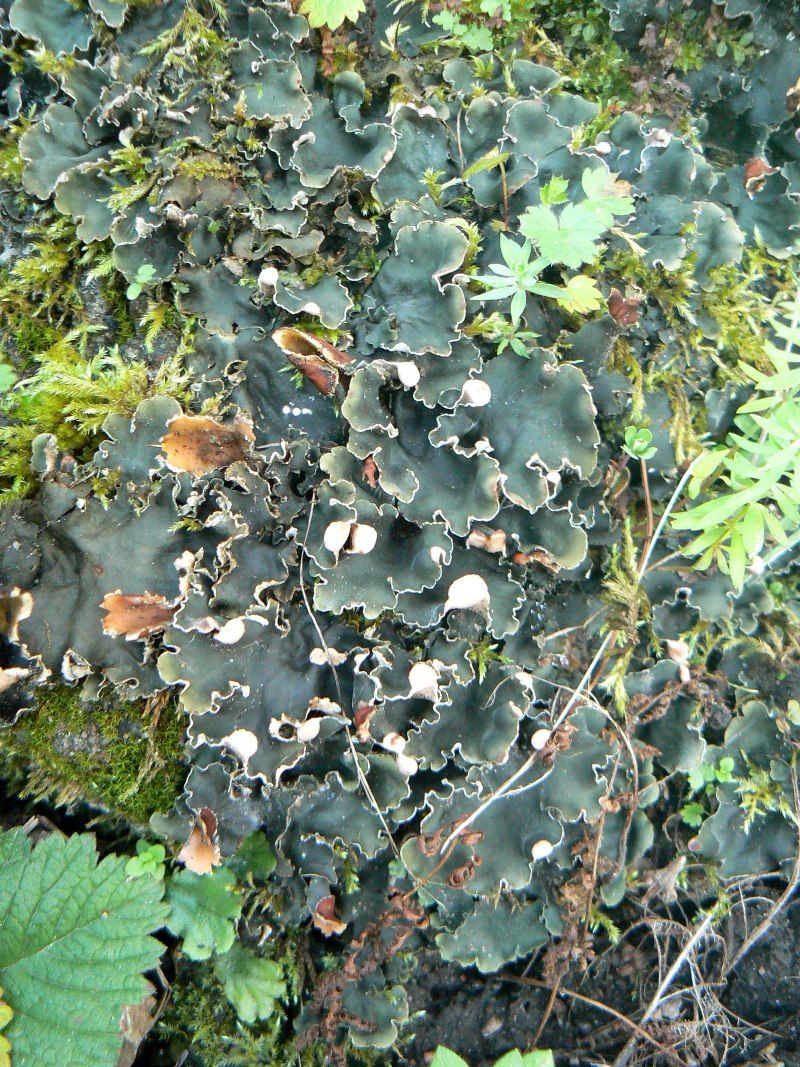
(201, 852)
(540, 556)
(199, 444)
(461, 875)
(756, 172)
(136, 615)
(136, 1022)
(490, 541)
(361, 718)
(624, 310)
(325, 918)
(369, 472)
(316, 359)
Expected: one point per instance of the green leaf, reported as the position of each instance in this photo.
(637, 442)
(331, 13)
(751, 530)
(692, 814)
(493, 158)
(737, 560)
(517, 306)
(476, 38)
(606, 195)
(775, 528)
(6, 1015)
(73, 945)
(203, 910)
(257, 856)
(724, 772)
(149, 860)
(569, 238)
(555, 192)
(252, 985)
(443, 1057)
(580, 294)
(7, 377)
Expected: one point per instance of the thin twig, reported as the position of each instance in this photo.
(504, 185)
(648, 504)
(531, 760)
(666, 982)
(359, 772)
(585, 681)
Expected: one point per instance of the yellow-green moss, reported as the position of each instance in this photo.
(123, 757)
(737, 298)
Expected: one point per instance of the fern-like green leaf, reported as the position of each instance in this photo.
(756, 474)
(73, 945)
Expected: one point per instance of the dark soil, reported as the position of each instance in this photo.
(766, 986)
(482, 1017)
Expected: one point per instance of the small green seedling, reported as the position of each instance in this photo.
(519, 274)
(149, 860)
(144, 275)
(703, 779)
(638, 442)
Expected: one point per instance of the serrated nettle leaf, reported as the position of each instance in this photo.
(74, 942)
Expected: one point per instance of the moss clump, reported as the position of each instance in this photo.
(122, 756)
(200, 1020)
(578, 42)
(71, 395)
(718, 325)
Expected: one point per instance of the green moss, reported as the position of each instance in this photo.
(71, 395)
(200, 1019)
(576, 39)
(715, 327)
(114, 289)
(12, 164)
(124, 757)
